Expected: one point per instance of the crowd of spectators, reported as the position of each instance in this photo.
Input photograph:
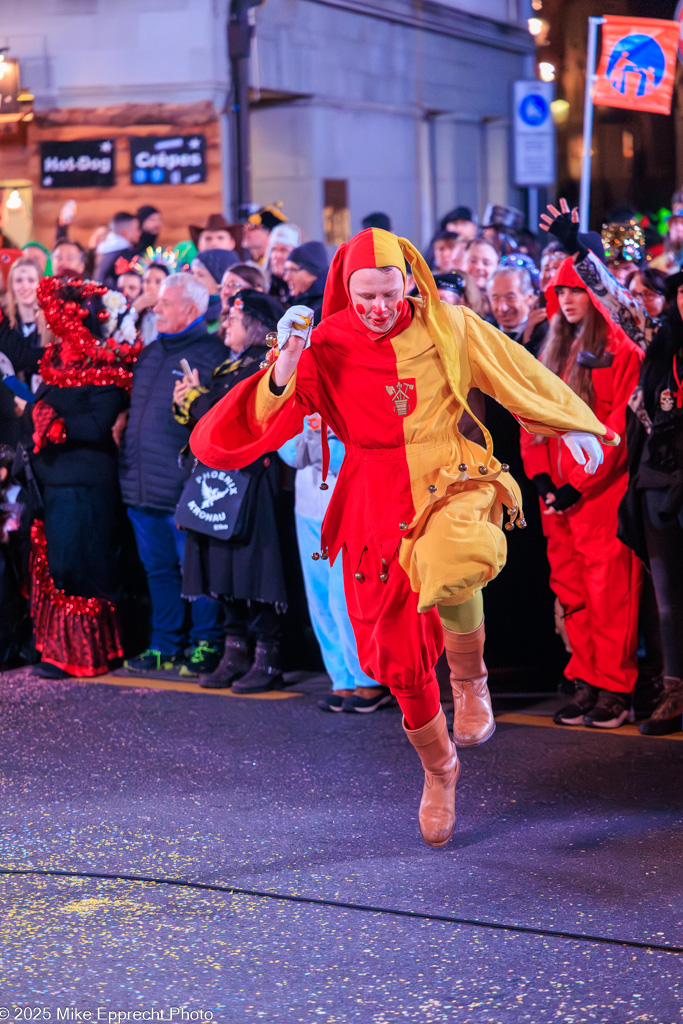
(110, 355)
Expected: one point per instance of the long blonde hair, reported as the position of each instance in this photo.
(563, 343)
(11, 302)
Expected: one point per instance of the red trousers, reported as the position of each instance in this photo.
(397, 645)
(598, 581)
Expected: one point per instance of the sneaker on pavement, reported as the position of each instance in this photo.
(152, 660)
(584, 699)
(365, 705)
(203, 660)
(331, 702)
(609, 711)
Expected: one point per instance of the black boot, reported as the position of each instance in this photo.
(236, 662)
(265, 673)
(668, 715)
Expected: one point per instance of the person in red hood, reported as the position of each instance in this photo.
(596, 578)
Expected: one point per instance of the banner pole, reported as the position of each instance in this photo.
(585, 194)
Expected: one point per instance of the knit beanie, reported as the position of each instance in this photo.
(217, 261)
(285, 234)
(311, 256)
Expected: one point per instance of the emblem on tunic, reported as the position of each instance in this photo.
(402, 396)
(666, 400)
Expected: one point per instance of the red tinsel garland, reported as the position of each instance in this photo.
(78, 358)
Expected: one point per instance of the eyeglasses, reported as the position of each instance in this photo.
(290, 268)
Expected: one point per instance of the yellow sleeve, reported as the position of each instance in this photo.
(540, 400)
(263, 406)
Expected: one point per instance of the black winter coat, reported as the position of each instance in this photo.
(151, 474)
(313, 297)
(253, 569)
(24, 352)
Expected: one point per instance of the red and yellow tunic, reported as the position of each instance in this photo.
(417, 510)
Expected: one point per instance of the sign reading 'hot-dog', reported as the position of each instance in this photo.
(82, 163)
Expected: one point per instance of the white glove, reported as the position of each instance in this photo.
(298, 322)
(585, 448)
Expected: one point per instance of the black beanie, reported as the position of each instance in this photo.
(259, 306)
(144, 212)
(217, 261)
(311, 256)
(377, 220)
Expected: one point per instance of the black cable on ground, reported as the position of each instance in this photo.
(232, 890)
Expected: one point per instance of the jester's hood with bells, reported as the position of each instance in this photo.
(375, 248)
(95, 335)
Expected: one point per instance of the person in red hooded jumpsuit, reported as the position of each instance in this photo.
(596, 578)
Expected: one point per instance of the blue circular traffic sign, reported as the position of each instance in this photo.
(534, 109)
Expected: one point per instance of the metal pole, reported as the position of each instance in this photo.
(532, 210)
(239, 50)
(585, 194)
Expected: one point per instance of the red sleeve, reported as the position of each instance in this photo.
(535, 454)
(250, 421)
(625, 376)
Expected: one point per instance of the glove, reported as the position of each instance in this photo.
(544, 485)
(565, 497)
(567, 233)
(585, 448)
(298, 322)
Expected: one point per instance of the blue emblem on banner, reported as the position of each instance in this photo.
(636, 55)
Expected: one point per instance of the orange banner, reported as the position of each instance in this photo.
(638, 64)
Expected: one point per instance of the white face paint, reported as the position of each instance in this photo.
(377, 297)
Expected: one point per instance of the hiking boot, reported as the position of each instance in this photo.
(609, 711)
(152, 660)
(667, 716)
(265, 673)
(648, 693)
(583, 701)
(205, 658)
(236, 662)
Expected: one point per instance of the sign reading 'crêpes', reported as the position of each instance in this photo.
(83, 163)
(164, 160)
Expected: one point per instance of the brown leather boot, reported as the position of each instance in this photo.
(440, 761)
(667, 717)
(473, 720)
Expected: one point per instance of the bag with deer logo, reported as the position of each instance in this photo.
(213, 503)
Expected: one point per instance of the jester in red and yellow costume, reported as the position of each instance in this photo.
(418, 510)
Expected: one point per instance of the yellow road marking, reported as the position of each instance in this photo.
(169, 684)
(546, 720)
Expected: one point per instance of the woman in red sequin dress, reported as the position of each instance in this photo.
(72, 454)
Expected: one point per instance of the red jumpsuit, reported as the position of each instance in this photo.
(596, 578)
(417, 509)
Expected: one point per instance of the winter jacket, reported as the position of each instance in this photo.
(613, 385)
(150, 473)
(312, 297)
